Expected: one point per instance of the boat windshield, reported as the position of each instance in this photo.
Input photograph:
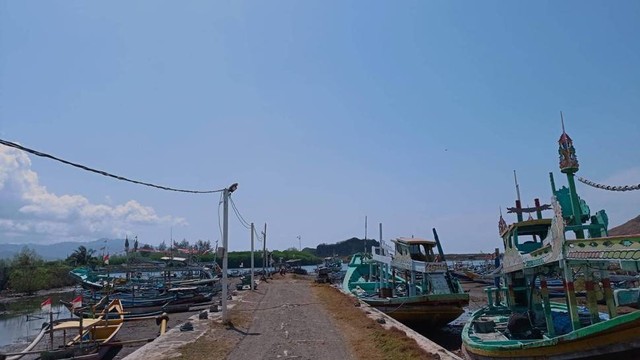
(529, 238)
(421, 252)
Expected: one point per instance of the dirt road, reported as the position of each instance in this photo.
(288, 322)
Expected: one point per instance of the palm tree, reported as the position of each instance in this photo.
(81, 256)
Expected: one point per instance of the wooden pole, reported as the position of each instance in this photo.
(570, 294)
(608, 294)
(592, 297)
(51, 325)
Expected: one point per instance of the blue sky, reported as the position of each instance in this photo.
(413, 114)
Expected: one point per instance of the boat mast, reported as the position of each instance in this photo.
(515, 178)
(518, 202)
(569, 165)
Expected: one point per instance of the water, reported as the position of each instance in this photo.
(448, 336)
(21, 320)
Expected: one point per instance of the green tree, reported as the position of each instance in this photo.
(82, 257)
(148, 250)
(202, 246)
(162, 246)
(27, 272)
(5, 269)
(184, 244)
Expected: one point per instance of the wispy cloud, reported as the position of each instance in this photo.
(29, 212)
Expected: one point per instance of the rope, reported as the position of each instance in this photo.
(609, 187)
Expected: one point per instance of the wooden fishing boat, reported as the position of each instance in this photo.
(94, 310)
(413, 285)
(86, 339)
(520, 321)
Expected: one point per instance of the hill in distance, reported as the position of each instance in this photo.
(631, 227)
(63, 249)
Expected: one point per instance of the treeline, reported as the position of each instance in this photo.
(27, 273)
(346, 247)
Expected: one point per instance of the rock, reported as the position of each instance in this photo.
(188, 326)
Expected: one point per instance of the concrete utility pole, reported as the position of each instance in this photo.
(264, 250)
(225, 245)
(252, 230)
(365, 234)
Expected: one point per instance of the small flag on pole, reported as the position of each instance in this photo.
(46, 305)
(77, 302)
(106, 259)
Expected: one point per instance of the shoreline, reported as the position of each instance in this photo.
(4, 298)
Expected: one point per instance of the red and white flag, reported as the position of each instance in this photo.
(77, 302)
(46, 305)
(106, 259)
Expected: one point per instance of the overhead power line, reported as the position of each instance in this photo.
(83, 167)
(238, 215)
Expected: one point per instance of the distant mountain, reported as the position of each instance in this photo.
(631, 227)
(63, 249)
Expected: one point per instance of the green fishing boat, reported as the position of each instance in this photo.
(409, 282)
(520, 321)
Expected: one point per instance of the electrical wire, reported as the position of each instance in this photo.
(238, 215)
(100, 172)
(219, 224)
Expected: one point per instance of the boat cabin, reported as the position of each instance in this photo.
(415, 249)
(526, 236)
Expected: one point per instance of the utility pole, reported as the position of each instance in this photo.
(264, 250)
(365, 234)
(252, 230)
(225, 246)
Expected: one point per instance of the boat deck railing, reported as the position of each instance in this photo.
(496, 296)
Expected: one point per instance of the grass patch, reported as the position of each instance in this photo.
(220, 339)
(367, 339)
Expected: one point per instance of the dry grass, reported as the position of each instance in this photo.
(220, 339)
(367, 339)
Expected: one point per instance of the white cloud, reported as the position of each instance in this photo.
(29, 212)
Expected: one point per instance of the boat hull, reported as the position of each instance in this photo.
(608, 338)
(428, 310)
